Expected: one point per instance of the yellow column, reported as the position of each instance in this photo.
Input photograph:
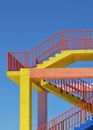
(25, 100)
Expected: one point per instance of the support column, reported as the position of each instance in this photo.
(42, 108)
(25, 100)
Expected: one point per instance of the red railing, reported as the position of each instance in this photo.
(75, 116)
(63, 40)
(77, 87)
(68, 120)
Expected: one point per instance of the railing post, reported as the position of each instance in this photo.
(8, 60)
(63, 125)
(85, 37)
(74, 40)
(63, 41)
(80, 40)
(26, 59)
(83, 92)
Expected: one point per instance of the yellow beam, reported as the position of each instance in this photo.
(25, 101)
(66, 58)
(15, 77)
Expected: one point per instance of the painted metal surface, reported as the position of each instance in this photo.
(67, 57)
(53, 73)
(25, 101)
(42, 108)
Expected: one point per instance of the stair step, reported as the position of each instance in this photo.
(63, 94)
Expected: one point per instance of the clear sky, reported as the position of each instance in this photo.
(23, 25)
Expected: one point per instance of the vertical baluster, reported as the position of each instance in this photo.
(25, 56)
(80, 116)
(69, 120)
(61, 85)
(66, 85)
(28, 60)
(18, 60)
(84, 116)
(44, 50)
(33, 58)
(69, 89)
(80, 89)
(37, 56)
(21, 60)
(85, 37)
(63, 41)
(75, 86)
(13, 68)
(74, 117)
(25, 60)
(9, 61)
(90, 39)
(56, 43)
(58, 82)
(83, 91)
(69, 42)
(74, 40)
(88, 95)
(79, 40)
(50, 47)
(72, 87)
(63, 125)
(14, 62)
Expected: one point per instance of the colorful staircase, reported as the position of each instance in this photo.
(75, 91)
(59, 51)
(65, 47)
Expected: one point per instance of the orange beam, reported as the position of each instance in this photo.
(52, 73)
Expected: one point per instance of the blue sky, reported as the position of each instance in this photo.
(23, 25)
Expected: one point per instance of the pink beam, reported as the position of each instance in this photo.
(52, 73)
